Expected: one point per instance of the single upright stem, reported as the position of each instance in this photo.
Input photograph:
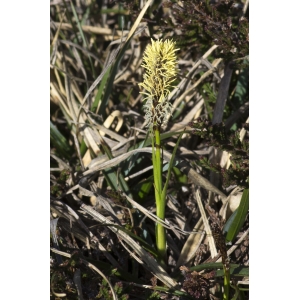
(226, 283)
(159, 196)
(159, 61)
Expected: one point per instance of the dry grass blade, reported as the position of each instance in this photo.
(150, 262)
(184, 81)
(132, 254)
(53, 47)
(77, 281)
(211, 242)
(156, 219)
(245, 7)
(193, 87)
(68, 213)
(101, 152)
(116, 51)
(96, 82)
(190, 116)
(191, 245)
(93, 29)
(108, 122)
(199, 180)
(99, 164)
(58, 96)
(78, 150)
(80, 65)
(139, 18)
(222, 95)
(236, 244)
(53, 225)
(87, 52)
(61, 163)
(90, 266)
(104, 130)
(243, 131)
(179, 217)
(232, 203)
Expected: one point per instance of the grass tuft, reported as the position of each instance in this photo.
(103, 211)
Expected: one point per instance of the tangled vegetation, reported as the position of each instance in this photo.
(155, 206)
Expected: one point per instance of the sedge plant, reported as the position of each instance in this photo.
(159, 62)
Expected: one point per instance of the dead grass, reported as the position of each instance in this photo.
(99, 137)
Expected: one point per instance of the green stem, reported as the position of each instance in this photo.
(226, 283)
(160, 199)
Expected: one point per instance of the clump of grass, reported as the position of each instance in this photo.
(109, 162)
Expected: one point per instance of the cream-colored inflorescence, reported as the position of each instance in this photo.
(159, 62)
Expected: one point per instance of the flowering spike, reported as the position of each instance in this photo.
(159, 62)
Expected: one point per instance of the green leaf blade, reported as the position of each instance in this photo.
(236, 221)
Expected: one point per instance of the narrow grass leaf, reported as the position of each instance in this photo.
(96, 103)
(120, 56)
(171, 166)
(145, 245)
(82, 36)
(143, 188)
(236, 221)
(182, 178)
(115, 179)
(150, 262)
(235, 271)
(59, 142)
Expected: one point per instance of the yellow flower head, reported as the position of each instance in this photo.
(159, 62)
